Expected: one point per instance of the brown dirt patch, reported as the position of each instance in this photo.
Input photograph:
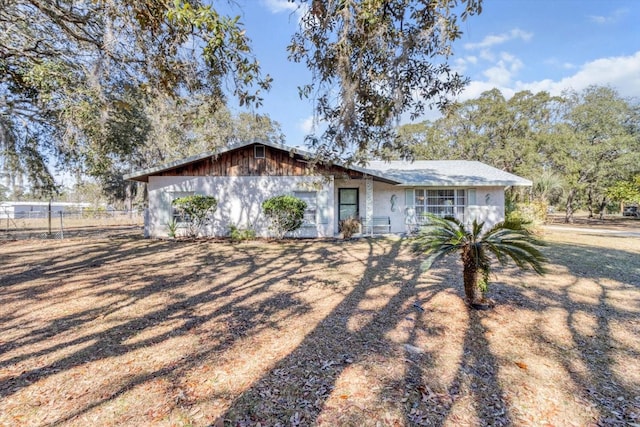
(127, 331)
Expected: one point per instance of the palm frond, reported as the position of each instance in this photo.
(512, 241)
(439, 237)
(507, 241)
(524, 255)
(476, 229)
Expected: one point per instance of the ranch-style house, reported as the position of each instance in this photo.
(387, 197)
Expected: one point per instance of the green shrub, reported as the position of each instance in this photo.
(534, 212)
(349, 227)
(237, 234)
(172, 228)
(285, 212)
(196, 211)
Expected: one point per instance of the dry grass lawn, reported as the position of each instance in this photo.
(120, 330)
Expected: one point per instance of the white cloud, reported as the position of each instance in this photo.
(460, 64)
(621, 72)
(487, 55)
(493, 40)
(280, 6)
(598, 19)
(307, 125)
(556, 63)
(277, 6)
(501, 74)
(497, 76)
(609, 19)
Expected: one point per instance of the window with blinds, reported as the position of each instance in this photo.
(311, 199)
(439, 202)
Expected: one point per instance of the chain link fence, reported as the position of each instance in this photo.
(70, 223)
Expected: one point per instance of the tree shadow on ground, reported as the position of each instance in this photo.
(475, 384)
(298, 386)
(385, 329)
(586, 328)
(361, 337)
(122, 314)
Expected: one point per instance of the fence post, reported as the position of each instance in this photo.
(61, 227)
(49, 218)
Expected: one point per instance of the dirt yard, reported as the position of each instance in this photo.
(120, 330)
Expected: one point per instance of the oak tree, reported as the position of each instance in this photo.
(598, 139)
(75, 74)
(373, 62)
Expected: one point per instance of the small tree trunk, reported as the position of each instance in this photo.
(603, 206)
(470, 277)
(471, 290)
(568, 218)
(590, 203)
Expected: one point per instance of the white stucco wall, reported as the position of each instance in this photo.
(382, 194)
(489, 206)
(239, 201)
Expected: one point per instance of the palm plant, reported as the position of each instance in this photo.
(505, 241)
(548, 187)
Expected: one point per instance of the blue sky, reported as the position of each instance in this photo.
(514, 45)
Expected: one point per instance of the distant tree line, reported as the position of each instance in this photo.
(581, 149)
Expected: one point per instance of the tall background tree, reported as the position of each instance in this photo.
(506, 133)
(77, 76)
(598, 143)
(374, 62)
(625, 191)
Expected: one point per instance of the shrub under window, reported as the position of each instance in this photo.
(285, 212)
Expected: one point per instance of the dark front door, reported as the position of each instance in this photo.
(347, 203)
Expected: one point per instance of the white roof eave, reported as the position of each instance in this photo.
(466, 184)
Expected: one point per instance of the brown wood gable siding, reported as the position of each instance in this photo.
(242, 162)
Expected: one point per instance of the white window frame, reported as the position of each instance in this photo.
(440, 202)
(257, 148)
(310, 218)
(471, 197)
